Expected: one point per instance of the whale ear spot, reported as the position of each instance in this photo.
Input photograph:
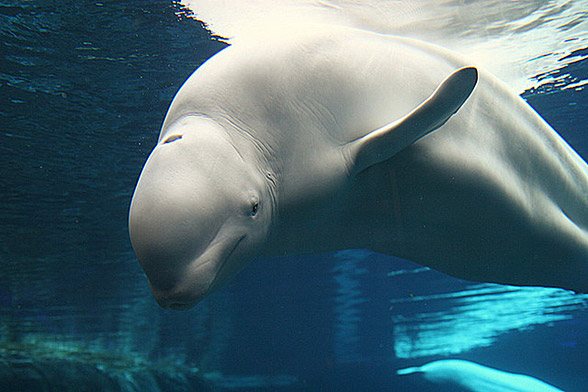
(385, 142)
(172, 138)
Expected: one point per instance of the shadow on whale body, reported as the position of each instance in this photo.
(474, 377)
(323, 138)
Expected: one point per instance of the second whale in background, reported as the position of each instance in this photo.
(477, 378)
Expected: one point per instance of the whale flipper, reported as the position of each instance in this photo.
(409, 370)
(387, 141)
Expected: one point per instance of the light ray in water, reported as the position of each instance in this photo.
(476, 317)
(348, 300)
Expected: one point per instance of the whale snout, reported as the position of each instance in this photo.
(182, 285)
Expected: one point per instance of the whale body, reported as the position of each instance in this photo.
(326, 138)
(478, 378)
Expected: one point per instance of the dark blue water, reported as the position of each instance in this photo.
(84, 87)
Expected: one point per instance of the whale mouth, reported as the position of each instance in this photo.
(215, 282)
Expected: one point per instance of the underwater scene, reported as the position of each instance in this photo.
(324, 302)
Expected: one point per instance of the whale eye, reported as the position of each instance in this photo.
(253, 206)
(254, 209)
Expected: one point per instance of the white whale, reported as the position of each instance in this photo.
(477, 378)
(305, 141)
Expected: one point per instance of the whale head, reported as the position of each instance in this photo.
(199, 213)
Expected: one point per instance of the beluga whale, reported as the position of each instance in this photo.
(322, 138)
(473, 377)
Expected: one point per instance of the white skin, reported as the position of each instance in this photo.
(477, 378)
(269, 149)
(199, 218)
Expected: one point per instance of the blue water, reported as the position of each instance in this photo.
(84, 87)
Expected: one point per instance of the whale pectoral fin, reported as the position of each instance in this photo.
(409, 370)
(385, 142)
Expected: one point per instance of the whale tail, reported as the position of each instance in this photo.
(409, 370)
